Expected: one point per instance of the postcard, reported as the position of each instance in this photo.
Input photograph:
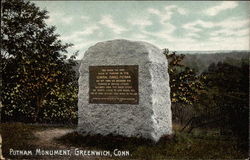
(124, 79)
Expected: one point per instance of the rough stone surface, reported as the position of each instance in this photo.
(152, 117)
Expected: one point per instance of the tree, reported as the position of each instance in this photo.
(32, 58)
(232, 99)
(186, 86)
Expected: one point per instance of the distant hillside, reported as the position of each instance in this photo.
(200, 60)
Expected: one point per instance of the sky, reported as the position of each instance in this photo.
(176, 25)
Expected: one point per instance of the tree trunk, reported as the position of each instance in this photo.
(1, 106)
(38, 107)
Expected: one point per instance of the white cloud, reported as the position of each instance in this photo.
(182, 11)
(58, 17)
(170, 7)
(193, 35)
(78, 35)
(67, 20)
(165, 17)
(139, 36)
(175, 43)
(215, 43)
(168, 28)
(89, 30)
(83, 44)
(53, 18)
(230, 43)
(165, 36)
(231, 32)
(221, 7)
(85, 18)
(230, 23)
(108, 21)
(140, 22)
(243, 32)
(154, 11)
(165, 33)
(195, 26)
(179, 10)
(166, 14)
(136, 37)
(234, 23)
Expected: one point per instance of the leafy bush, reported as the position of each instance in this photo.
(38, 81)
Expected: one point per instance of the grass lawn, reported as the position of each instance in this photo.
(20, 136)
(181, 146)
(200, 144)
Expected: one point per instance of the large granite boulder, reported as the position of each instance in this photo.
(145, 111)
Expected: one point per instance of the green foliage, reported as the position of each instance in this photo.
(219, 97)
(228, 98)
(35, 73)
(64, 102)
(184, 83)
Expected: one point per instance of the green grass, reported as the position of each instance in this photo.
(19, 136)
(201, 144)
(181, 146)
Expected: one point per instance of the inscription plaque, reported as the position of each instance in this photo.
(113, 84)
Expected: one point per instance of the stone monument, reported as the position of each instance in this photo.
(124, 90)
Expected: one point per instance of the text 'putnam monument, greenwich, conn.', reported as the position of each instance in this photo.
(124, 90)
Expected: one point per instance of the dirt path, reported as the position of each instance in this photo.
(46, 137)
(46, 140)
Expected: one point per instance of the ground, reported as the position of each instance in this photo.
(46, 137)
(201, 144)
